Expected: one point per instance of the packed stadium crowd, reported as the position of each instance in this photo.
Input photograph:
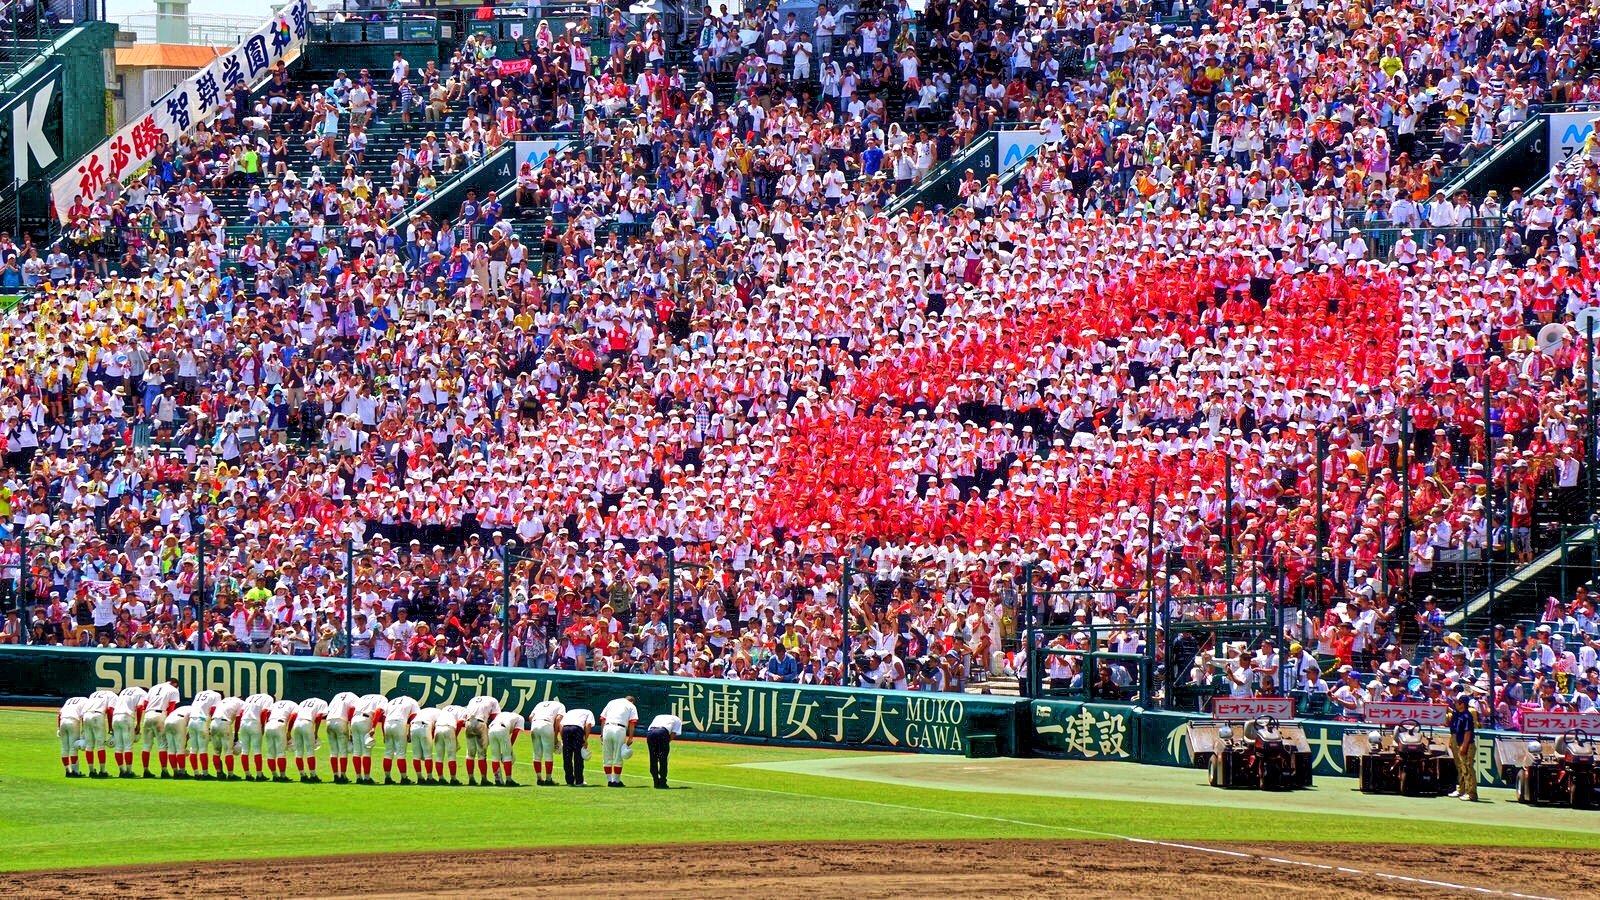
(1155, 371)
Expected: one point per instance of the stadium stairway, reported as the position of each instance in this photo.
(386, 136)
(1521, 595)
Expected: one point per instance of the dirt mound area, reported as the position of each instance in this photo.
(862, 871)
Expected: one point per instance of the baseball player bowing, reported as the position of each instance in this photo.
(617, 722)
(162, 700)
(397, 716)
(575, 727)
(69, 727)
(340, 710)
(96, 722)
(223, 730)
(275, 733)
(446, 740)
(542, 731)
(200, 710)
(251, 723)
(481, 710)
(127, 714)
(658, 738)
(368, 715)
(303, 736)
(503, 733)
(174, 735)
(421, 746)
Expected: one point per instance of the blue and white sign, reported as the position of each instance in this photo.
(1568, 131)
(1017, 145)
(536, 152)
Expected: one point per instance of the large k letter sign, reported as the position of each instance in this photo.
(32, 121)
(28, 137)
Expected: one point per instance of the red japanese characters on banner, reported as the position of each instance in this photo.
(186, 107)
(1396, 712)
(1252, 707)
(1539, 721)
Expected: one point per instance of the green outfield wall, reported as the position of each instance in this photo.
(714, 710)
(752, 712)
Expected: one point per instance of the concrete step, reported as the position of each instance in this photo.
(996, 685)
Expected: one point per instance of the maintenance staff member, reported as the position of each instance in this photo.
(617, 722)
(575, 727)
(658, 737)
(1463, 733)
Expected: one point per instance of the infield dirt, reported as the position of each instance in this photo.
(858, 870)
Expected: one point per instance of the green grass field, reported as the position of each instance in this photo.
(726, 793)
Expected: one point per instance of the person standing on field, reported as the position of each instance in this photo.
(658, 739)
(575, 727)
(1463, 745)
(617, 722)
(542, 731)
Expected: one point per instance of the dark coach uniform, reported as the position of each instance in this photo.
(658, 737)
(575, 727)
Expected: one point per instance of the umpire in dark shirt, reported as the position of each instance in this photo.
(1464, 746)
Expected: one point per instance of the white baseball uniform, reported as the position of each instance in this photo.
(445, 729)
(96, 719)
(275, 733)
(422, 736)
(69, 727)
(481, 710)
(543, 727)
(368, 712)
(125, 718)
(252, 721)
(615, 720)
(200, 711)
(223, 728)
(162, 700)
(172, 731)
(503, 733)
(304, 733)
(397, 715)
(340, 709)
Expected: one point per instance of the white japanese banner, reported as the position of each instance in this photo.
(1395, 712)
(1252, 707)
(1540, 721)
(190, 104)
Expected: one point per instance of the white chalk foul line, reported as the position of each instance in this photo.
(1216, 851)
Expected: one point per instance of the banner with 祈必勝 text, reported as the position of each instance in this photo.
(190, 104)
